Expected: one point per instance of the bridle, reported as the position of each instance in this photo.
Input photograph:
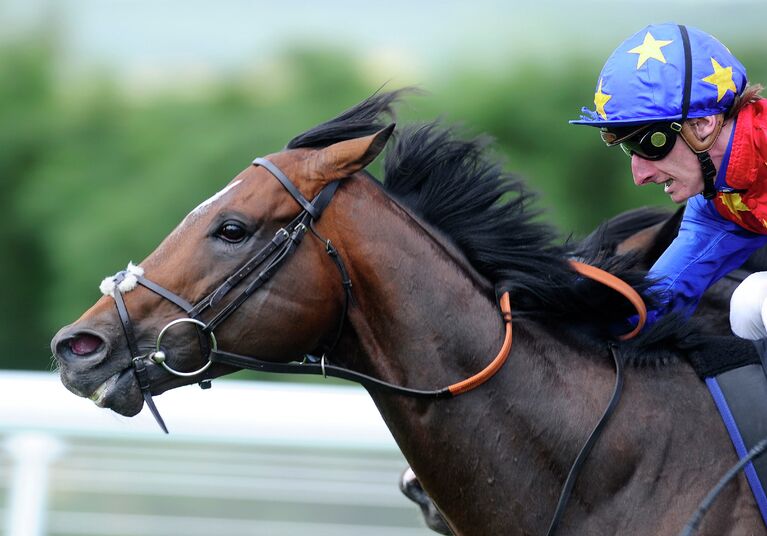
(267, 261)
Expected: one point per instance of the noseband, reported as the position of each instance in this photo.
(268, 260)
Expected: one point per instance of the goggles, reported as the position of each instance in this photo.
(651, 142)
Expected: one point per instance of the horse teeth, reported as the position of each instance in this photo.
(97, 393)
(101, 391)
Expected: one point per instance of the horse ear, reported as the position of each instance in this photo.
(350, 156)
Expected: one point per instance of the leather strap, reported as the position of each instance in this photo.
(125, 320)
(160, 291)
(575, 469)
(324, 369)
(288, 247)
(481, 377)
(137, 360)
(321, 369)
(248, 267)
(709, 174)
(286, 182)
(143, 380)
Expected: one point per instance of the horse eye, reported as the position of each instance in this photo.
(232, 232)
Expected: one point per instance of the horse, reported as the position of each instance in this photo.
(397, 284)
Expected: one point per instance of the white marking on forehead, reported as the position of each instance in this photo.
(129, 282)
(205, 204)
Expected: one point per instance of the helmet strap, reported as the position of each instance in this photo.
(709, 174)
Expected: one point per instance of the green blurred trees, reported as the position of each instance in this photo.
(93, 178)
(27, 130)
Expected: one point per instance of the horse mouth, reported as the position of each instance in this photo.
(119, 392)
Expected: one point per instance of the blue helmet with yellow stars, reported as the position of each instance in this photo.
(663, 73)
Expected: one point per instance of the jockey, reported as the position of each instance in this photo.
(678, 103)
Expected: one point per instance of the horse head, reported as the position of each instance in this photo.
(164, 314)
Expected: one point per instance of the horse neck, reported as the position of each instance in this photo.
(424, 319)
(422, 316)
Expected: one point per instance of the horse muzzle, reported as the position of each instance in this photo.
(88, 368)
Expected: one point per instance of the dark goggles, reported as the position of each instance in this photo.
(652, 142)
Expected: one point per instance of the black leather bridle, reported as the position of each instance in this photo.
(268, 260)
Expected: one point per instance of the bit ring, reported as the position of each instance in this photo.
(158, 356)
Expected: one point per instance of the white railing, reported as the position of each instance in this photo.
(242, 458)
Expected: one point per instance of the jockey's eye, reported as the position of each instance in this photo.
(232, 232)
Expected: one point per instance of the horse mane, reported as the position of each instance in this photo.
(457, 186)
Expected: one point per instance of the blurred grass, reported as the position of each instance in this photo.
(93, 177)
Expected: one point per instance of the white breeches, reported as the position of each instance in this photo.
(748, 307)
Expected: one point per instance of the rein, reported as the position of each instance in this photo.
(268, 260)
(633, 296)
(324, 369)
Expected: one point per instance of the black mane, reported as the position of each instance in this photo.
(456, 186)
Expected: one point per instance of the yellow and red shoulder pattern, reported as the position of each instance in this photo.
(747, 171)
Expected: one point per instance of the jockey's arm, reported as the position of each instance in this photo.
(707, 248)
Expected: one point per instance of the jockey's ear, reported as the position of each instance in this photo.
(350, 156)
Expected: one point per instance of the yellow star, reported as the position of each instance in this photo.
(734, 203)
(600, 99)
(722, 79)
(650, 48)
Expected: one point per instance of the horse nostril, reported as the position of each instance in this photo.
(84, 344)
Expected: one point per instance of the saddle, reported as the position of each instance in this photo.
(735, 372)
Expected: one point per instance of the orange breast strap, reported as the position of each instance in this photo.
(608, 279)
(485, 374)
(586, 270)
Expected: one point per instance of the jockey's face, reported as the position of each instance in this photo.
(679, 172)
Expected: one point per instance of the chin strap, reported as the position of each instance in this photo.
(709, 174)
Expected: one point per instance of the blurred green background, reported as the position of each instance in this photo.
(118, 117)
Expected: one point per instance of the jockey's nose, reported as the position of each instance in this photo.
(642, 169)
